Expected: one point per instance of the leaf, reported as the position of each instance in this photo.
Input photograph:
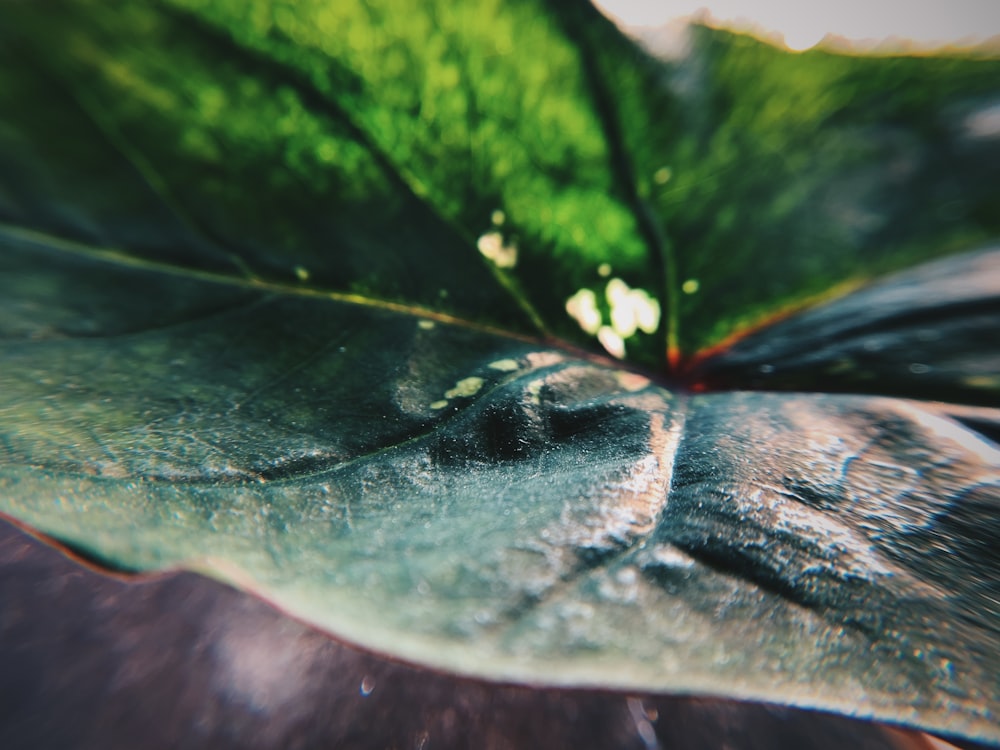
(260, 320)
(211, 668)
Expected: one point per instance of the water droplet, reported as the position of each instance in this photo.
(623, 319)
(647, 311)
(631, 309)
(582, 307)
(504, 365)
(492, 246)
(367, 685)
(668, 556)
(465, 387)
(616, 292)
(611, 341)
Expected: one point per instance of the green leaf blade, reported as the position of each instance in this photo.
(813, 173)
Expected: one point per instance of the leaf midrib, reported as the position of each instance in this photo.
(659, 247)
(123, 259)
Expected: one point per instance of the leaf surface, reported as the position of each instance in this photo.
(249, 328)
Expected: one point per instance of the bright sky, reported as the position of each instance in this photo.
(804, 22)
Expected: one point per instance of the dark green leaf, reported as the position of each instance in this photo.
(929, 332)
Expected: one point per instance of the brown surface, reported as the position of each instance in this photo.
(88, 661)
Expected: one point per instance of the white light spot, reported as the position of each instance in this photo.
(505, 365)
(492, 246)
(690, 286)
(671, 557)
(611, 341)
(582, 307)
(301, 273)
(616, 292)
(367, 685)
(426, 325)
(465, 387)
(631, 309)
(647, 311)
(918, 368)
(623, 319)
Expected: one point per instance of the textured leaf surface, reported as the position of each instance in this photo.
(210, 668)
(247, 330)
(565, 523)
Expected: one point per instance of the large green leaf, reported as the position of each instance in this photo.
(247, 330)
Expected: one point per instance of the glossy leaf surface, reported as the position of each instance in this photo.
(247, 330)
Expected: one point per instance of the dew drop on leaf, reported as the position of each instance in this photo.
(367, 685)
(504, 365)
(582, 307)
(611, 341)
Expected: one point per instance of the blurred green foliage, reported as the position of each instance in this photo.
(298, 137)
